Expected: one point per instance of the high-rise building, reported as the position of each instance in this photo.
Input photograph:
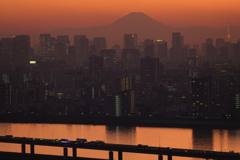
(96, 66)
(161, 49)
(21, 49)
(127, 102)
(6, 47)
(130, 58)
(201, 96)
(149, 70)
(6, 51)
(45, 45)
(177, 43)
(6, 96)
(130, 41)
(64, 39)
(113, 105)
(109, 57)
(210, 53)
(61, 51)
(100, 43)
(81, 44)
(149, 47)
(125, 83)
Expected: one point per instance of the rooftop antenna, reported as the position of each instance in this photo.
(228, 33)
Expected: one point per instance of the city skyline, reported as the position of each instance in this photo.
(27, 17)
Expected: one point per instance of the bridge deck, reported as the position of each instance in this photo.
(18, 156)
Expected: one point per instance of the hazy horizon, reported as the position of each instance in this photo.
(28, 17)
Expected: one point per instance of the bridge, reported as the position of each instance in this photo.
(120, 148)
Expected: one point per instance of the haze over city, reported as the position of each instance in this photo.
(107, 68)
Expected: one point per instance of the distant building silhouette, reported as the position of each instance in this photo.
(100, 43)
(45, 45)
(149, 70)
(161, 49)
(81, 44)
(130, 41)
(130, 58)
(20, 49)
(109, 57)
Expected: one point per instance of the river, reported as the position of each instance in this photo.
(206, 139)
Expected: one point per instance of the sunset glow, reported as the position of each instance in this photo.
(28, 16)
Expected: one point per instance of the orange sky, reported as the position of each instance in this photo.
(36, 16)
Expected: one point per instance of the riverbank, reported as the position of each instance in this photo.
(124, 121)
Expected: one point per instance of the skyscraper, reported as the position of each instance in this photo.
(20, 49)
(109, 57)
(130, 41)
(64, 39)
(81, 44)
(100, 43)
(130, 58)
(161, 49)
(96, 66)
(45, 44)
(149, 47)
(177, 43)
(149, 70)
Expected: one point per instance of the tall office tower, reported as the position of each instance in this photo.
(109, 58)
(20, 49)
(130, 41)
(6, 96)
(117, 48)
(71, 56)
(45, 45)
(210, 53)
(161, 49)
(61, 51)
(149, 47)
(113, 105)
(192, 52)
(6, 47)
(100, 43)
(81, 44)
(223, 54)
(92, 50)
(209, 42)
(236, 51)
(127, 102)
(130, 58)
(176, 47)
(196, 46)
(125, 83)
(220, 42)
(96, 66)
(192, 59)
(201, 96)
(149, 70)
(64, 39)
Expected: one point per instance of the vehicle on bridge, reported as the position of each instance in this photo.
(96, 143)
(80, 141)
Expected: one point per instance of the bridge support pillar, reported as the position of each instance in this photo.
(23, 151)
(160, 157)
(169, 157)
(32, 150)
(65, 153)
(74, 153)
(110, 155)
(119, 155)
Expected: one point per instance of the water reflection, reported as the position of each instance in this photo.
(225, 140)
(121, 135)
(202, 139)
